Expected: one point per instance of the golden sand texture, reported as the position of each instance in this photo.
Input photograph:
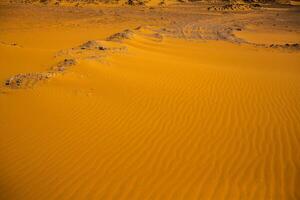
(163, 118)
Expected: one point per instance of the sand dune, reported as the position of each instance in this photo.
(146, 115)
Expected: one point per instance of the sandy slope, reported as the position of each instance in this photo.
(164, 119)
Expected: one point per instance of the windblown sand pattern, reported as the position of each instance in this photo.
(176, 111)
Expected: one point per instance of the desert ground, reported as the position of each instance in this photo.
(149, 100)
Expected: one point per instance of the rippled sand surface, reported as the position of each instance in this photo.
(138, 103)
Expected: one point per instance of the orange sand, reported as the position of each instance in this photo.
(174, 119)
(258, 35)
